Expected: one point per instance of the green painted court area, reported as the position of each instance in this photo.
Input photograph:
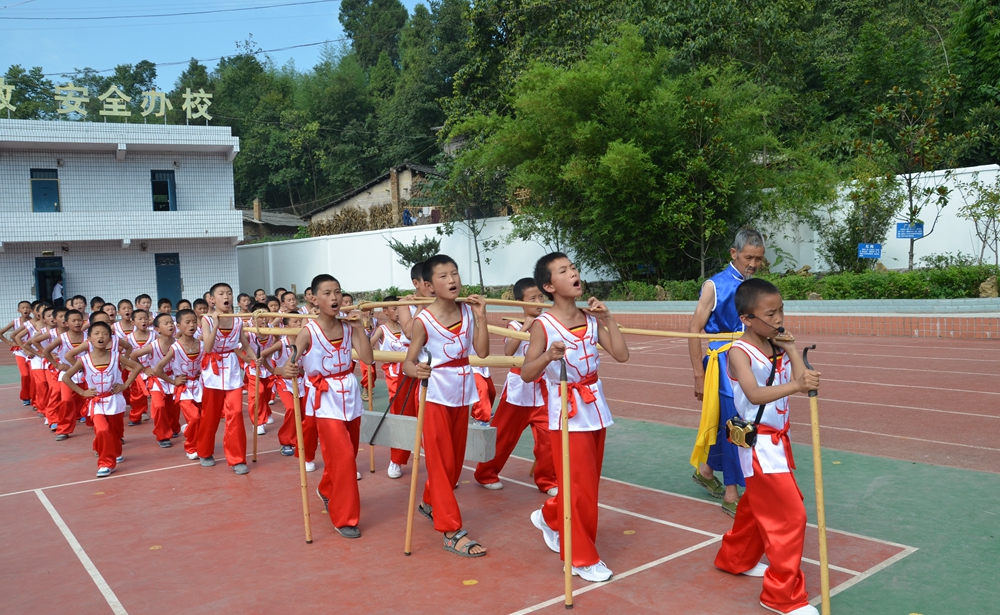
(951, 516)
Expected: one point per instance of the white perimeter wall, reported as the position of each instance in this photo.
(364, 261)
(953, 233)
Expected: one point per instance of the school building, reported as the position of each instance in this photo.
(115, 210)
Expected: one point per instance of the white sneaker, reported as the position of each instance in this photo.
(802, 610)
(310, 466)
(359, 475)
(553, 492)
(270, 403)
(492, 486)
(597, 573)
(756, 571)
(550, 535)
(192, 456)
(270, 420)
(260, 430)
(395, 471)
(183, 427)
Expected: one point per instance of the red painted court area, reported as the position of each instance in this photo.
(164, 535)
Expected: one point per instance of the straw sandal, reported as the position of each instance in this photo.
(712, 485)
(450, 545)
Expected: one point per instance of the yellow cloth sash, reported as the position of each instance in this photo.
(708, 427)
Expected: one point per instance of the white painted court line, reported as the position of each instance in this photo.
(618, 577)
(867, 573)
(25, 418)
(190, 464)
(102, 585)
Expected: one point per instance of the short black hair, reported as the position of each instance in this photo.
(390, 298)
(61, 310)
(321, 279)
(46, 311)
(542, 274)
(165, 301)
(80, 297)
(35, 304)
(199, 302)
(139, 311)
(260, 290)
(73, 313)
(143, 296)
(217, 285)
(182, 313)
(427, 269)
(288, 292)
(749, 292)
(417, 272)
(279, 290)
(97, 314)
(96, 301)
(180, 301)
(98, 325)
(124, 301)
(257, 305)
(522, 285)
(20, 303)
(343, 294)
(160, 318)
(271, 298)
(241, 295)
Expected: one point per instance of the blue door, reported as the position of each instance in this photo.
(168, 277)
(48, 271)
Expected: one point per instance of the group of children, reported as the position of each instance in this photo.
(198, 363)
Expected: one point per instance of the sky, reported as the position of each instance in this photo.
(113, 33)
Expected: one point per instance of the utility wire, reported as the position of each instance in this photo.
(247, 8)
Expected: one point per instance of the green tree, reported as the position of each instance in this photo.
(417, 251)
(373, 27)
(982, 208)
(32, 95)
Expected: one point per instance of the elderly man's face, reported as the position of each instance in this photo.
(748, 260)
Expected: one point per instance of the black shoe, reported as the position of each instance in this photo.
(207, 462)
(61, 437)
(287, 450)
(348, 531)
(326, 501)
(133, 423)
(176, 434)
(166, 443)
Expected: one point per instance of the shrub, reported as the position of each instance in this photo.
(794, 286)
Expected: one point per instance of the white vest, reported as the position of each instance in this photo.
(223, 360)
(65, 346)
(451, 383)
(391, 343)
(145, 360)
(582, 362)
(770, 454)
(280, 358)
(190, 368)
(15, 325)
(332, 370)
(102, 381)
(257, 346)
(519, 392)
(33, 362)
(155, 384)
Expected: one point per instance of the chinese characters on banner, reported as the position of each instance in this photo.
(74, 99)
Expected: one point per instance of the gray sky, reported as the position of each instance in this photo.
(59, 45)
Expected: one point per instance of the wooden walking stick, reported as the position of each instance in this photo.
(256, 404)
(412, 506)
(300, 442)
(371, 397)
(824, 560)
(564, 488)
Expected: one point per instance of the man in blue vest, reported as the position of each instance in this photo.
(716, 313)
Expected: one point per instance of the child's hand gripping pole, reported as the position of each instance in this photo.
(300, 442)
(564, 488)
(411, 507)
(824, 560)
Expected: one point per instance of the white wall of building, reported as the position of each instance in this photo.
(953, 233)
(106, 270)
(364, 261)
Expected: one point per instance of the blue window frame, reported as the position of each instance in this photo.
(44, 190)
(164, 191)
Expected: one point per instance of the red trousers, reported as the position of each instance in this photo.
(287, 435)
(137, 396)
(406, 407)
(22, 367)
(39, 389)
(53, 397)
(338, 441)
(771, 520)
(365, 370)
(445, 432)
(70, 406)
(263, 411)
(586, 456)
(510, 422)
(216, 404)
(165, 413)
(192, 416)
(391, 381)
(482, 410)
(108, 432)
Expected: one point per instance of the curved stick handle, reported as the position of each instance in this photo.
(295, 353)
(805, 359)
(423, 382)
(562, 370)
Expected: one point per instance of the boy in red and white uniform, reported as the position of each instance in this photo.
(771, 519)
(46, 392)
(334, 400)
(222, 378)
(277, 356)
(21, 337)
(164, 411)
(137, 335)
(24, 315)
(103, 376)
(258, 343)
(389, 337)
(449, 331)
(568, 333)
(521, 404)
(71, 405)
(178, 372)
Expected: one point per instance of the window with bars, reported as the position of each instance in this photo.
(44, 190)
(164, 191)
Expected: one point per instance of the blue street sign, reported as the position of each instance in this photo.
(869, 250)
(905, 230)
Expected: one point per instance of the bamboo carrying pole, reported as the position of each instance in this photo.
(824, 560)
(256, 404)
(564, 488)
(300, 443)
(371, 396)
(412, 505)
(628, 331)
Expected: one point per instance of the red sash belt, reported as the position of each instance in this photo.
(213, 359)
(180, 388)
(320, 384)
(455, 363)
(782, 436)
(93, 401)
(583, 388)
